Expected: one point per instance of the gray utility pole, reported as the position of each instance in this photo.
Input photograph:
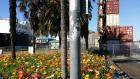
(74, 14)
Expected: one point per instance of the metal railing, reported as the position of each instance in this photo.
(128, 49)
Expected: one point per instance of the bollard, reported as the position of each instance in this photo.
(1, 52)
(30, 49)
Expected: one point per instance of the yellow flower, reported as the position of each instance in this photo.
(97, 72)
(96, 77)
(112, 67)
(27, 69)
(50, 76)
(86, 76)
(27, 63)
(5, 64)
(14, 73)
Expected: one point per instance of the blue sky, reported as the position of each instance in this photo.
(129, 15)
(4, 10)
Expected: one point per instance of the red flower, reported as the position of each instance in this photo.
(24, 66)
(94, 73)
(99, 65)
(20, 71)
(26, 75)
(35, 76)
(83, 72)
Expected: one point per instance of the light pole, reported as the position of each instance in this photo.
(74, 14)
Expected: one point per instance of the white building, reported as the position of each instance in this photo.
(22, 27)
(92, 40)
(23, 33)
(4, 26)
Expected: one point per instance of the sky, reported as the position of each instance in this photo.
(129, 15)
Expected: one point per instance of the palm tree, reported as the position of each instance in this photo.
(30, 10)
(84, 28)
(85, 19)
(12, 9)
(50, 18)
(63, 39)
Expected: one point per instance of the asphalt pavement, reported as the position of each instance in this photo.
(130, 66)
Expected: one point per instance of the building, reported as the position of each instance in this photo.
(92, 40)
(23, 33)
(24, 27)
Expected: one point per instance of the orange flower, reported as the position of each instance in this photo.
(108, 76)
(87, 68)
(20, 74)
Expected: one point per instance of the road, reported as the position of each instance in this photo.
(132, 68)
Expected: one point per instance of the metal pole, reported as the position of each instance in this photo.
(75, 39)
(113, 50)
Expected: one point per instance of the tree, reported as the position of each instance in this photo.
(84, 29)
(63, 39)
(30, 10)
(84, 18)
(12, 9)
(50, 18)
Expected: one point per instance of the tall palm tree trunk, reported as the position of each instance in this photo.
(34, 41)
(86, 41)
(12, 9)
(87, 32)
(59, 34)
(63, 40)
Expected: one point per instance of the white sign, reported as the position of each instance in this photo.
(30, 49)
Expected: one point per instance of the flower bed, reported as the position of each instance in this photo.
(45, 66)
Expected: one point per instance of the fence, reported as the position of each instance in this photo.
(128, 49)
(38, 48)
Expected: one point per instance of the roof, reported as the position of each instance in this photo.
(4, 26)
